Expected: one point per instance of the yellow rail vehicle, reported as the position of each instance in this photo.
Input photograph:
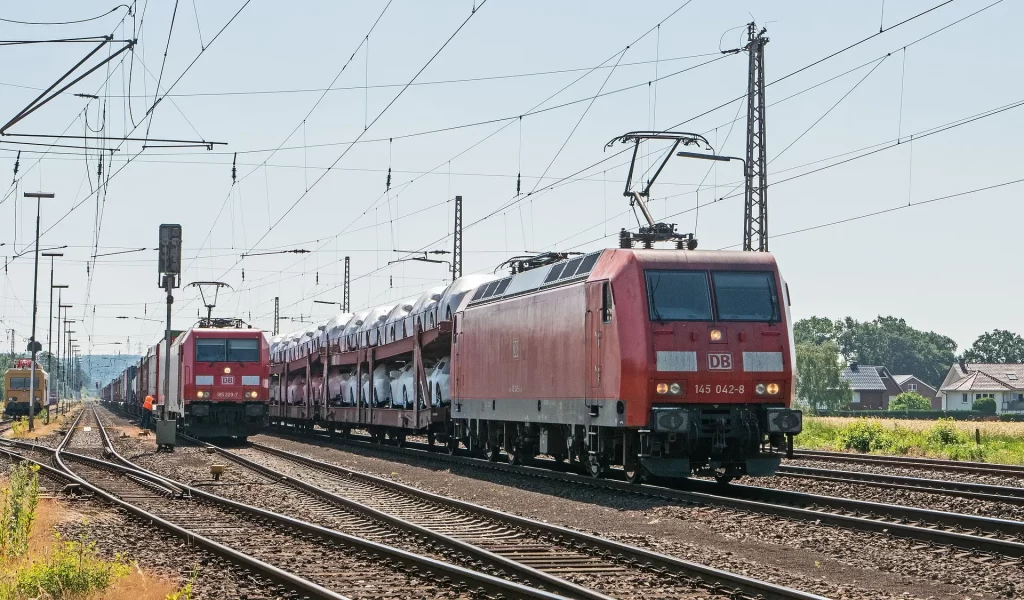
(17, 381)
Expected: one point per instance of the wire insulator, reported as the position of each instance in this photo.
(519, 183)
(388, 187)
(17, 163)
(243, 274)
(234, 171)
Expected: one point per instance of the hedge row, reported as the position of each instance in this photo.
(927, 415)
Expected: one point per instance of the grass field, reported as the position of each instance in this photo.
(1000, 442)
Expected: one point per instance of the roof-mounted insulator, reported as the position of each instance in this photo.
(234, 171)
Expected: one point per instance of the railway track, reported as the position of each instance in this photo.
(609, 567)
(962, 489)
(313, 560)
(998, 540)
(934, 464)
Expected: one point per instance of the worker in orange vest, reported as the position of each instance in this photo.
(147, 412)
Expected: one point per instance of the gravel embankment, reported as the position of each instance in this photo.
(829, 561)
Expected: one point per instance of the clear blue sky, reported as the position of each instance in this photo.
(951, 266)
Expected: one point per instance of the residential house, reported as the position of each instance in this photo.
(910, 383)
(872, 386)
(966, 382)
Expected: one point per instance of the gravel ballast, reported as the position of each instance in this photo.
(825, 560)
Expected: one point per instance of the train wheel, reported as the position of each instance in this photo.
(635, 473)
(452, 445)
(515, 456)
(493, 452)
(723, 479)
(431, 439)
(596, 465)
(399, 439)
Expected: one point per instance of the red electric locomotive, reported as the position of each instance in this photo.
(220, 381)
(669, 362)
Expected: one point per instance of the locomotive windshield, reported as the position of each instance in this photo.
(679, 295)
(227, 350)
(21, 383)
(746, 296)
(738, 296)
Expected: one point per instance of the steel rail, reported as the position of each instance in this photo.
(535, 576)
(641, 556)
(899, 521)
(976, 468)
(962, 489)
(244, 560)
(488, 582)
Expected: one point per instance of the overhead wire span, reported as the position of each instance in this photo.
(50, 23)
(893, 209)
(375, 119)
(508, 122)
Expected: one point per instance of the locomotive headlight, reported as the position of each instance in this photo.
(760, 388)
(227, 369)
(674, 389)
(199, 394)
(661, 388)
(252, 394)
(716, 335)
(772, 388)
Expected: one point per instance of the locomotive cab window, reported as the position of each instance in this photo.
(230, 350)
(741, 296)
(211, 350)
(607, 302)
(21, 383)
(243, 350)
(678, 296)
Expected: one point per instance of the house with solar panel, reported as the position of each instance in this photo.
(966, 382)
(872, 386)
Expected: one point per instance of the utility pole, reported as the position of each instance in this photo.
(277, 315)
(755, 215)
(33, 345)
(457, 237)
(347, 295)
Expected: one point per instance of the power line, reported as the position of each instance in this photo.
(893, 209)
(69, 22)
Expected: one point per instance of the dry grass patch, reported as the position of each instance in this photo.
(53, 568)
(57, 422)
(1001, 442)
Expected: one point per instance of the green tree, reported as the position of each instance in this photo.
(889, 341)
(815, 330)
(985, 405)
(910, 401)
(819, 378)
(996, 346)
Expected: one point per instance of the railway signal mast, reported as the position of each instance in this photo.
(170, 273)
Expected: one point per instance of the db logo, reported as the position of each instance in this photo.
(227, 380)
(720, 362)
